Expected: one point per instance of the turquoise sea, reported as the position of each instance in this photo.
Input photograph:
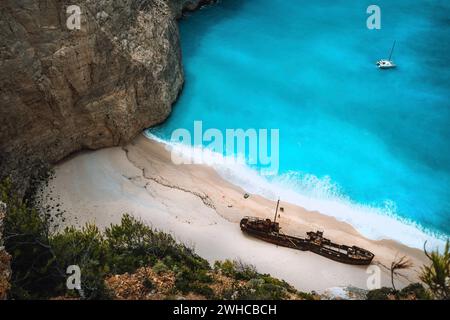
(369, 146)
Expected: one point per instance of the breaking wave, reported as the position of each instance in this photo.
(313, 194)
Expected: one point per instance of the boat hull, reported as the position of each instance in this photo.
(339, 253)
(276, 238)
(343, 258)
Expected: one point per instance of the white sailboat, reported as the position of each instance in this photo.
(387, 63)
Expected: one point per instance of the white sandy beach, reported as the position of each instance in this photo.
(199, 208)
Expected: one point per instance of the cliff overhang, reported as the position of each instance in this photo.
(64, 90)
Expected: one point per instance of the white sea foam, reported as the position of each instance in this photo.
(313, 194)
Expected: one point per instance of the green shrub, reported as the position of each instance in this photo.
(193, 280)
(305, 295)
(203, 290)
(236, 269)
(258, 289)
(415, 289)
(258, 286)
(133, 244)
(183, 280)
(40, 258)
(160, 267)
(437, 275)
(88, 249)
(225, 267)
(26, 239)
(380, 294)
(202, 276)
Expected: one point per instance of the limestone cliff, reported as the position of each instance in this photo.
(64, 90)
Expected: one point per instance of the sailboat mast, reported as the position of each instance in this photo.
(392, 50)
(276, 211)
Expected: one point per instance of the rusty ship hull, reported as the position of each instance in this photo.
(269, 231)
(276, 238)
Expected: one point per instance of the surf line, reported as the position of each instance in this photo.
(260, 147)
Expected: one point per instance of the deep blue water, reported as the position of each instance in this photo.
(372, 138)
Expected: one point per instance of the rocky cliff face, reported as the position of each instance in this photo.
(64, 90)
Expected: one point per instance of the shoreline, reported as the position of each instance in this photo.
(372, 222)
(200, 208)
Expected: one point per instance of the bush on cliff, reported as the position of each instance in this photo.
(414, 291)
(437, 275)
(251, 285)
(236, 269)
(132, 244)
(88, 249)
(40, 259)
(26, 238)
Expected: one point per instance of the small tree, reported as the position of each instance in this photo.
(437, 275)
(399, 264)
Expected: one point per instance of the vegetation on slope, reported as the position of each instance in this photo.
(132, 261)
(437, 275)
(130, 250)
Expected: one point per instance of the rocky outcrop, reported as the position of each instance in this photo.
(64, 90)
(5, 259)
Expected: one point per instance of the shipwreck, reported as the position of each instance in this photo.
(269, 231)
